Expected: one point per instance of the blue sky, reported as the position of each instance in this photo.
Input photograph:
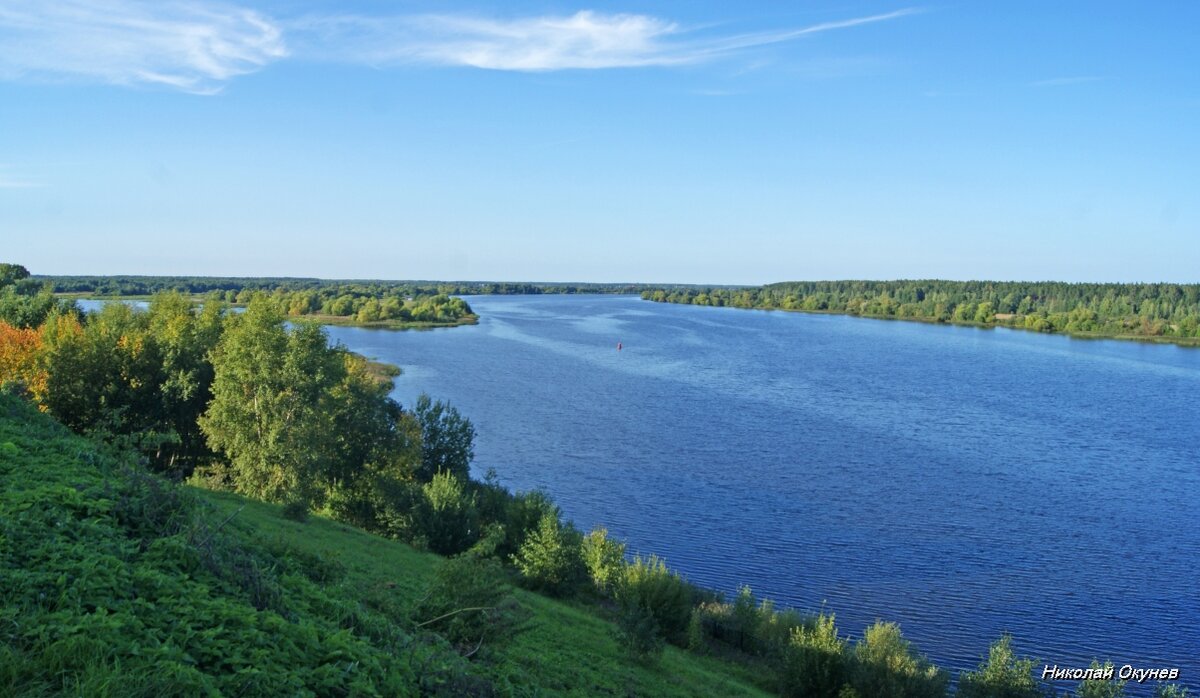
(704, 142)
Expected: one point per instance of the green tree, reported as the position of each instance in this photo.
(104, 376)
(184, 338)
(448, 517)
(523, 514)
(815, 662)
(25, 302)
(604, 558)
(1002, 675)
(886, 665)
(550, 558)
(649, 584)
(447, 440)
(12, 273)
(272, 409)
(985, 313)
(638, 630)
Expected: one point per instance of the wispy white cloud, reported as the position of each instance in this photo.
(584, 40)
(189, 46)
(743, 41)
(1077, 80)
(198, 45)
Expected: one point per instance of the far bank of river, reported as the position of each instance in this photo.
(90, 302)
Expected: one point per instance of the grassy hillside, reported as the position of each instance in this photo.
(117, 583)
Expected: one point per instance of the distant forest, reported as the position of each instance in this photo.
(1163, 311)
(149, 285)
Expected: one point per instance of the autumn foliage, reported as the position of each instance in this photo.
(20, 352)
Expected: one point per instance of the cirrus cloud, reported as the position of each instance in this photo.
(189, 46)
(197, 46)
(585, 40)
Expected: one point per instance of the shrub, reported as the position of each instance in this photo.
(469, 603)
(1001, 676)
(447, 515)
(604, 558)
(491, 539)
(638, 631)
(746, 619)
(296, 510)
(447, 440)
(775, 628)
(524, 515)
(815, 662)
(647, 583)
(886, 665)
(549, 560)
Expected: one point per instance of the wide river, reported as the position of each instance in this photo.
(960, 481)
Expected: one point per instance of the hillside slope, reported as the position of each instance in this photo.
(117, 583)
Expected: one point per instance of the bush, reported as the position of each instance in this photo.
(469, 603)
(745, 620)
(550, 558)
(648, 584)
(815, 662)
(523, 516)
(775, 629)
(1001, 676)
(296, 510)
(638, 631)
(604, 558)
(447, 440)
(885, 665)
(447, 516)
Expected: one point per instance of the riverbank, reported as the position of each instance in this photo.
(1148, 339)
(319, 318)
(1156, 312)
(345, 321)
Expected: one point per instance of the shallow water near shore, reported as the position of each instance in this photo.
(963, 482)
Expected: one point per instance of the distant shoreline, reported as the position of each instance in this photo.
(1190, 342)
(1160, 313)
(319, 318)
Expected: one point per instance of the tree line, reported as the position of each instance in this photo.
(149, 285)
(1161, 310)
(248, 403)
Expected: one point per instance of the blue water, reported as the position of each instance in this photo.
(960, 481)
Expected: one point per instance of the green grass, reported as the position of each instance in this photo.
(116, 583)
(564, 650)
